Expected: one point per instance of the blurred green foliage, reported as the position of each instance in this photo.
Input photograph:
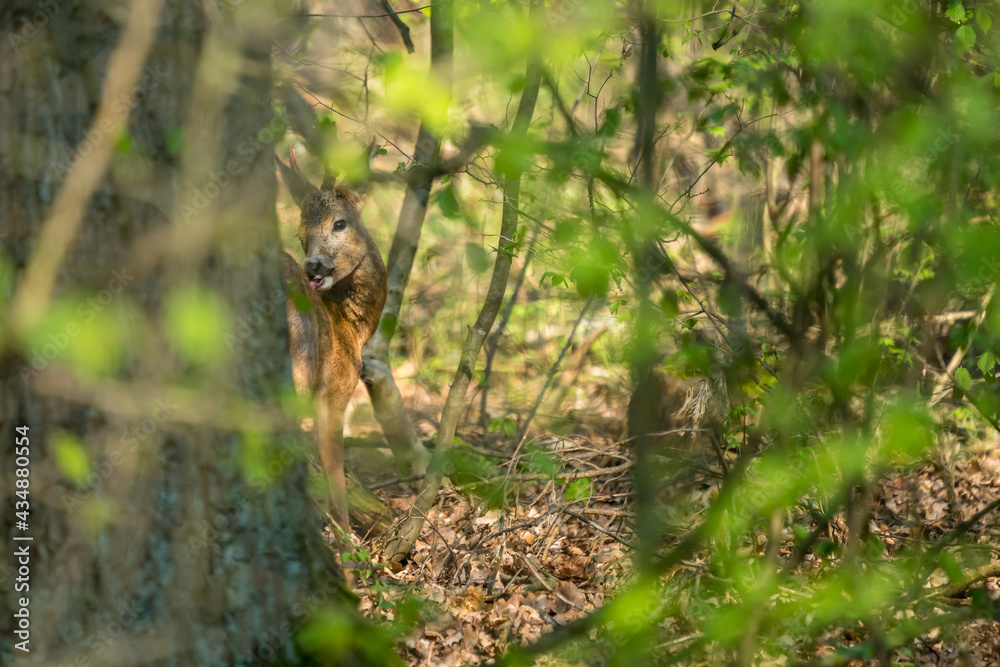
(197, 320)
(849, 149)
(71, 457)
(824, 185)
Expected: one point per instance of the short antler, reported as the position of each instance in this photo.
(329, 181)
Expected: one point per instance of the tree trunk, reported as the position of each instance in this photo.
(168, 518)
(643, 249)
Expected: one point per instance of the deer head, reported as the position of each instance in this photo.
(331, 231)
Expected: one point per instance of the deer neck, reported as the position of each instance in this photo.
(360, 296)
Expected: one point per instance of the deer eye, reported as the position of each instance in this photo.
(339, 225)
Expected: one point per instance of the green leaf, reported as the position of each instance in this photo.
(566, 231)
(83, 331)
(540, 461)
(301, 301)
(612, 121)
(510, 250)
(124, 143)
(253, 459)
(963, 379)
(175, 140)
(908, 432)
(388, 325)
(593, 267)
(984, 20)
(448, 202)
(951, 567)
(504, 425)
(514, 156)
(986, 362)
(718, 155)
(956, 12)
(966, 37)
(478, 259)
(197, 321)
(591, 280)
(557, 279)
(578, 489)
(668, 304)
(874, 547)
(71, 457)
(825, 548)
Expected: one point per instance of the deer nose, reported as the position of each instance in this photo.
(317, 267)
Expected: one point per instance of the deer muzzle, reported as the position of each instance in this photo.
(320, 274)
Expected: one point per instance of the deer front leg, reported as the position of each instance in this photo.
(330, 423)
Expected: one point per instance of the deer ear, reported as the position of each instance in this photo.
(297, 184)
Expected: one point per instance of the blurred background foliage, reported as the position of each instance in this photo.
(810, 227)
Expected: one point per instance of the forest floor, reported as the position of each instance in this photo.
(507, 575)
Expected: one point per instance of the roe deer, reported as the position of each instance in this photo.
(333, 303)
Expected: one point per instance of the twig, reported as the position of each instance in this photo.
(679, 640)
(951, 318)
(404, 30)
(597, 526)
(534, 571)
(392, 12)
(394, 482)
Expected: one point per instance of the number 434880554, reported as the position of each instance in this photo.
(21, 452)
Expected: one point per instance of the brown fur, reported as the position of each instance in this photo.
(327, 329)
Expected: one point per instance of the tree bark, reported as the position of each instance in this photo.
(154, 535)
(643, 250)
